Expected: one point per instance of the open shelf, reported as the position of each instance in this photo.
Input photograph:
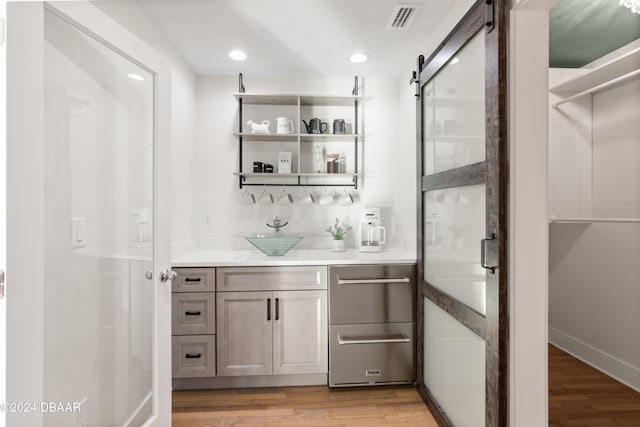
(614, 71)
(288, 99)
(304, 137)
(295, 175)
(302, 156)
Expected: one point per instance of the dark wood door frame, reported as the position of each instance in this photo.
(493, 327)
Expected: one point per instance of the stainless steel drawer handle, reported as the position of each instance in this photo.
(192, 356)
(372, 281)
(380, 340)
(192, 313)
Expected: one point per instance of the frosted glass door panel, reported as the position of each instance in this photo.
(454, 111)
(98, 212)
(454, 367)
(454, 225)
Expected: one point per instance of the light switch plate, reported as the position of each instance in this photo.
(78, 232)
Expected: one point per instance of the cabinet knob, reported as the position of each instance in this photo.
(167, 275)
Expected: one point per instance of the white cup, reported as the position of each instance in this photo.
(265, 198)
(327, 198)
(247, 198)
(306, 198)
(284, 198)
(284, 125)
(345, 198)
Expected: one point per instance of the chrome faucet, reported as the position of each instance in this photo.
(277, 224)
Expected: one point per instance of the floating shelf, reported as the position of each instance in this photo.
(304, 137)
(613, 72)
(295, 175)
(288, 99)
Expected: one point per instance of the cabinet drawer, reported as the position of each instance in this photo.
(193, 313)
(194, 280)
(372, 294)
(371, 354)
(193, 356)
(271, 278)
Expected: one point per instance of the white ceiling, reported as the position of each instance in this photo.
(294, 37)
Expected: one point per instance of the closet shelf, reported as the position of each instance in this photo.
(591, 220)
(629, 76)
(623, 66)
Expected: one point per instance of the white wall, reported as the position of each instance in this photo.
(528, 243)
(594, 300)
(217, 191)
(183, 114)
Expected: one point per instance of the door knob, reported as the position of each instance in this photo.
(166, 275)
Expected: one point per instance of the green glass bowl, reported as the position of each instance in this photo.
(274, 244)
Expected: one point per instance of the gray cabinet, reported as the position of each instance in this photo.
(263, 330)
(300, 332)
(244, 333)
(193, 323)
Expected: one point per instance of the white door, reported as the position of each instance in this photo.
(88, 303)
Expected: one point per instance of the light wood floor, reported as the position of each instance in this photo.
(580, 395)
(301, 407)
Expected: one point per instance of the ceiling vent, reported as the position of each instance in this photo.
(402, 16)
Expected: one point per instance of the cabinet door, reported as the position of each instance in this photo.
(300, 332)
(244, 333)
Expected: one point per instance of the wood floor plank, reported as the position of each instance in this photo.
(582, 396)
(301, 406)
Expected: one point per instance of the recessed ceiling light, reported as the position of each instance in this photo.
(237, 55)
(358, 58)
(455, 60)
(134, 76)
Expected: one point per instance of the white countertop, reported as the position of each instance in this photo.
(255, 258)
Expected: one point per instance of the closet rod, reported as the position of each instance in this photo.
(586, 220)
(598, 88)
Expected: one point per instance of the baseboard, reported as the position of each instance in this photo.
(617, 369)
(250, 381)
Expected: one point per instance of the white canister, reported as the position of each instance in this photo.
(284, 161)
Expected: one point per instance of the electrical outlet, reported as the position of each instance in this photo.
(82, 418)
(206, 219)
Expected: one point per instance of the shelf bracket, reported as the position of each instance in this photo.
(240, 84)
(354, 92)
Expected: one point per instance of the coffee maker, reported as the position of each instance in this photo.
(372, 233)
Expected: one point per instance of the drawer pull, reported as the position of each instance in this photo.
(372, 281)
(192, 313)
(277, 308)
(268, 309)
(193, 279)
(380, 340)
(192, 356)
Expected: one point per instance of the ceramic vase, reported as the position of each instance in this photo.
(337, 245)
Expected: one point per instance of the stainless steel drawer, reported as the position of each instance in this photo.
(193, 356)
(371, 354)
(271, 278)
(194, 280)
(371, 294)
(193, 313)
